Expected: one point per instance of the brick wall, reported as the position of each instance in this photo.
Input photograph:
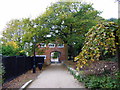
(48, 51)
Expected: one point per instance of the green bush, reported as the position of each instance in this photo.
(8, 50)
(93, 81)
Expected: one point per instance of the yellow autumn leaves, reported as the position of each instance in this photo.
(13, 44)
(100, 41)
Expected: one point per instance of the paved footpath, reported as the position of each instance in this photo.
(55, 76)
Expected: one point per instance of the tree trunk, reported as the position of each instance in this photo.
(71, 52)
(34, 59)
(34, 66)
(117, 44)
(71, 48)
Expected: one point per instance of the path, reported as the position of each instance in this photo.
(55, 76)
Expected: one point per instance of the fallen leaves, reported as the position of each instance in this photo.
(22, 79)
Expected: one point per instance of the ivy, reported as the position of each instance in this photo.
(99, 42)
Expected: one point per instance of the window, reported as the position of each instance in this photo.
(42, 45)
(60, 45)
(41, 56)
(51, 45)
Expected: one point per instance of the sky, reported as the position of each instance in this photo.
(17, 9)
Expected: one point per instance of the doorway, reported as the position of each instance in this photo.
(55, 57)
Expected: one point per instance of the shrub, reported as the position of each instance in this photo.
(12, 49)
(1, 73)
(94, 81)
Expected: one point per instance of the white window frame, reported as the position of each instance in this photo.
(42, 44)
(41, 56)
(60, 46)
(51, 46)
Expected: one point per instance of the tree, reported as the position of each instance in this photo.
(11, 49)
(113, 20)
(70, 21)
(100, 43)
(35, 33)
(23, 33)
(13, 32)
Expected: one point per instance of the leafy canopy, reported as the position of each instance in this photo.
(69, 21)
(99, 42)
(25, 33)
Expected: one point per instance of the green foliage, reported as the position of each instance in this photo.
(25, 33)
(12, 49)
(1, 72)
(98, 82)
(99, 43)
(70, 21)
(56, 54)
(113, 20)
(8, 50)
(13, 32)
(21, 52)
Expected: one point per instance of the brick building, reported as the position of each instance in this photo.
(53, 52)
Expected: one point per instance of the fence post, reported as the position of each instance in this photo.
(34, 66)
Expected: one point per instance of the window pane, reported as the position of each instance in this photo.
(60, 45)
(42, 45)
(51, 45)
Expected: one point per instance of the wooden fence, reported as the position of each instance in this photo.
(17, 65)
